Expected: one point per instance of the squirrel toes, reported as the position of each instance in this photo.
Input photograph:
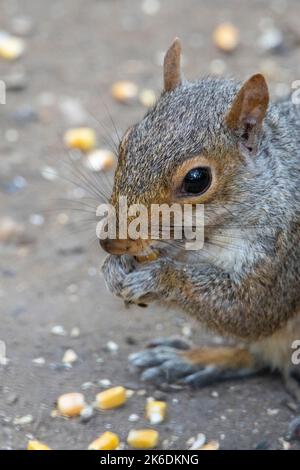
(221, 144)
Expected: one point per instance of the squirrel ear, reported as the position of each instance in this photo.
(248, 110)
(172, 72)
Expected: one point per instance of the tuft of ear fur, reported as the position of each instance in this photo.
(248, 110)
(172, 72)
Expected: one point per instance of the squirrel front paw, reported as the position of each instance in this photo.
(115, 269)
(143, 284)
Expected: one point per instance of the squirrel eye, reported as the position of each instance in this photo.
(197, 180)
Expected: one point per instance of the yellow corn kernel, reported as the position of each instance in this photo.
(156, 411)
(82, 138)
(70, 404)
(124, 91)
(107, 441)
(143, 438)
(111, 398)
(211, 445)
(11, 48)
(152, 256)
(37, 445)
(226, 37)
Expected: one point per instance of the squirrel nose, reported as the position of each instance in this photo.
(116, 247)
(109, 246)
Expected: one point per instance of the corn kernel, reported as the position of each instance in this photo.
(107, 441)
(82, 138)
(156, 411)
(11, 48)
(211, 445)
(100, 160)
(226, 37)
(70, 404)
(124, 91)
(152, 256)
(147, 98)
(111, 398)
(143, 438)
(37, 445)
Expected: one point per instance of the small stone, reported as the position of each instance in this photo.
(104, 383)
(150, 7)
(187, 331)
(49, 173)
(21, 26)
(86, 414)
(69, 357)
(12, 399)
(12, 136)
(112, 347)
(73, 111)
(23, 420)
(86, 385)
(214, 394)
(271, 40)
(15, 81)
(133, 418)
(36, 219)
(75, 332)
(24, 115)
(272, 412)
(58, 330)
(285, 444)
(39, 361)
(17, 184)
(195, 443)
(62, 218)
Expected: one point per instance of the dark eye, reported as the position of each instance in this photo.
(197, 180)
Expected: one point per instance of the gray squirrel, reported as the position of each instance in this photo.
(221, 144)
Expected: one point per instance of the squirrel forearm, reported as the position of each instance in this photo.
(253, 307)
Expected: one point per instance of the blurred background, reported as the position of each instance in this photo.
(97, 64)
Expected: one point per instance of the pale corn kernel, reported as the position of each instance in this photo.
(37, 445)
(143, 438)
(226, 37)
(152, 256)
(111, 398)
(71, 404)
(82, 138)
(147, 98)
(156, 411)
(124, 91)
(100, 160)
(107, 441)
(211, 445)
(11, 48)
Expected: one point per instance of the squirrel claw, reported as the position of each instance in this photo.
(168, 361)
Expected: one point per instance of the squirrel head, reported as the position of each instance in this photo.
(195, 145)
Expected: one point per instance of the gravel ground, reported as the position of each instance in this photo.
(49, 276)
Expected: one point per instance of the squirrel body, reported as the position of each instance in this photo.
(245, 282)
